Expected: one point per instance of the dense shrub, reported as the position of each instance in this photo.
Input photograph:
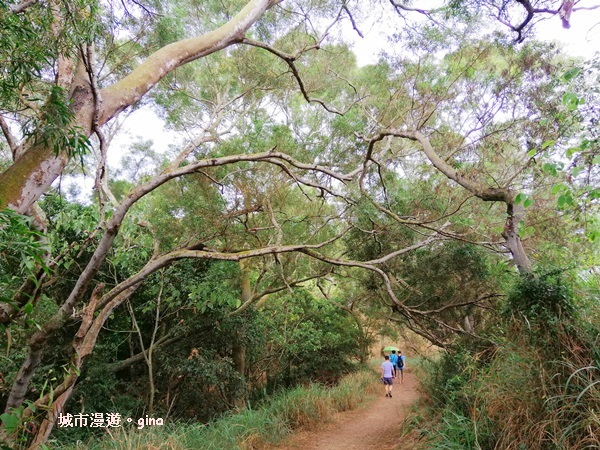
(537, 388)
(301, 407)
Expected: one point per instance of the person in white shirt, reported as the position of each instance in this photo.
(387, 375)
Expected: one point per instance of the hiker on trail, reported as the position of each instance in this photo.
(394, 361)
(387, 375)
(400, 365)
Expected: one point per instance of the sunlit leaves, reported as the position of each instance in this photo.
(572, 101)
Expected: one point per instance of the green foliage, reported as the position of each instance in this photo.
(101, 391)
(24, 54)
(468, 273)
(501, 116)
(20, 245)
(315, 338)
(209, 381)
(217, 288)
(22, 251)
(53, 127)
(537, 388)
(32, 40)
(542, 299)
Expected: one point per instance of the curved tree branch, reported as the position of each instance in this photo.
(134, 86)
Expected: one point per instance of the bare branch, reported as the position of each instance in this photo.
(345, 8)
(399, 8)
(22, 6)
(476, 301)
(586, 8)
(10, 139)
(290, 61)
(514, 212)
(138, 357)
(256, 297)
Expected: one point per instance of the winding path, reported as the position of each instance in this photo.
(374, 426)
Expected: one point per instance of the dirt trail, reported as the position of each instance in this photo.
(374, 426)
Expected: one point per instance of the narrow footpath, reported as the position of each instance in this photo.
(376, 425)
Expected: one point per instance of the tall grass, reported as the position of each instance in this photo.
(536, 388)
(299, 408)
(516, 400)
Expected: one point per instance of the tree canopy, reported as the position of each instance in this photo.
(310, 199)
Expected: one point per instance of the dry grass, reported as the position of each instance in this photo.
(301, 408)
(520, 400)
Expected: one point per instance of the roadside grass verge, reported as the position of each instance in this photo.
(299, 408)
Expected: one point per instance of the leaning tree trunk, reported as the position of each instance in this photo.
(23, 183)
(514, 212)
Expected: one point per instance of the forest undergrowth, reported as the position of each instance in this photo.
(537, 387)
(304, 407)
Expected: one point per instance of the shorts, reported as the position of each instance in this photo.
(389, 381)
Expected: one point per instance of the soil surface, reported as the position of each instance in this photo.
(376, 425)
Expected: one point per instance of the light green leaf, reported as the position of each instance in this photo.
(559, 187)
(565, 200)
(571, 101)
(520, 198)
(526, 232)
(10, 421)
(550, 169)
(571, 73)
(547, 144)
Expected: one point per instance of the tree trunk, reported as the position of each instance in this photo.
(41, 337)
(514, 214)
(52, 416)
(23, 183)
(37, 345)
(239, 346)
(469, 323)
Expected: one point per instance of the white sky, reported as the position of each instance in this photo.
(582, 39)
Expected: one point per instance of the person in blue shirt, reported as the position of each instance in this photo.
(387, 375)
(400, 363)
(394, 361)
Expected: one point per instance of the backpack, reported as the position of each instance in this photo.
(400, 363)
